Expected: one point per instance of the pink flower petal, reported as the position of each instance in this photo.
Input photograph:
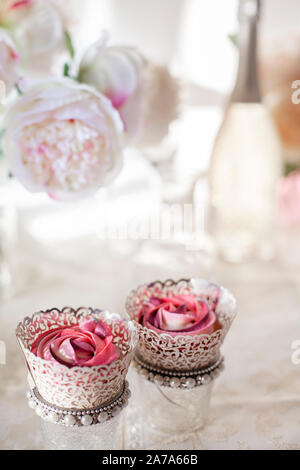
(100, 330)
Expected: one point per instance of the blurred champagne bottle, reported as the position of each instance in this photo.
(246, 160)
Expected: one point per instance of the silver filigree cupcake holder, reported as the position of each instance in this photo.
(175, 374)
(78, 396)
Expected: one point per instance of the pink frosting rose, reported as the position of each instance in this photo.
(88, 344)
(179, 314)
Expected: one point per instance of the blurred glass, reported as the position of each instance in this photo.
(104, 436)
(245, 161)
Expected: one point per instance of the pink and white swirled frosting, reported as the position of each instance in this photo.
(178, 314)
(88, 344)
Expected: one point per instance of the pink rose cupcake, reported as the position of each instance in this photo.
(77, 361)
(182, 324)
(181, 327)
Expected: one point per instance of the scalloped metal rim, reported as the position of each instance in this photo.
(108, 411)
(184, 380)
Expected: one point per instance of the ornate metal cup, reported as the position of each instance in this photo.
(77, 396)
(176, 373)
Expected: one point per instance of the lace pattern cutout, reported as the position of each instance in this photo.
(182, 352)
(77, 387)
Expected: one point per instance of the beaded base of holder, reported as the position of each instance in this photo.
(174, 379)
(75, 417)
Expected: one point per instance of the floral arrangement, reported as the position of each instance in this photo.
(38, 31)
(65, 135)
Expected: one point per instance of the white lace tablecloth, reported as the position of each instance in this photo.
(256, 400)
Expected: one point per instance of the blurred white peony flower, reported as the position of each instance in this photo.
(38, 29)
(9, 61)
(118, 73)
(63, 138)
(146, 96)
